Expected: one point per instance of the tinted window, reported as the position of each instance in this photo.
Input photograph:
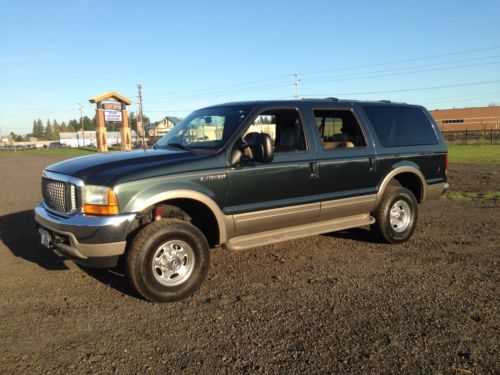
(401, 126)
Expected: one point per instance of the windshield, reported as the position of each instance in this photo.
(205, 129)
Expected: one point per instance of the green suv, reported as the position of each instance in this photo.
(242, 175)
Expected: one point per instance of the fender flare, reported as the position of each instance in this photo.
(224, 222)
(395, 172)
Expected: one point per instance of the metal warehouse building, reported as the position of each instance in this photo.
(478, 118)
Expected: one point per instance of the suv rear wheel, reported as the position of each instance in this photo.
(167, 260)
(396, 215)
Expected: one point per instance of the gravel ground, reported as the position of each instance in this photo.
(337, 303)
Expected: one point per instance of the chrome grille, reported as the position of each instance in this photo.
(59, 195)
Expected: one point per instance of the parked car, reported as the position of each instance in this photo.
(242, 175)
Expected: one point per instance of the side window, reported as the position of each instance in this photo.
(283, 126)
(401, 126)
(264, 124)
(338, 129)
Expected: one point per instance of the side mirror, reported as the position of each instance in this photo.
(236, 157)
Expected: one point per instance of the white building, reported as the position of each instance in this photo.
(88, 139)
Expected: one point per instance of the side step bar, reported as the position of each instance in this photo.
(278, 235)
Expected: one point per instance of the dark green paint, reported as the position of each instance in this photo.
(290, 179)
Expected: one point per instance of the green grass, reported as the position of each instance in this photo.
(458, 196)
(476, 154)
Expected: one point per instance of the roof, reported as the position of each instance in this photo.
(172, 119)
(315, 101)
(110, 95)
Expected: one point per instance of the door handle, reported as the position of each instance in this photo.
(314, 169)
(373, 164)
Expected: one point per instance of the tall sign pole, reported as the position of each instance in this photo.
(297, 84)
(81, 124)
(140, 127)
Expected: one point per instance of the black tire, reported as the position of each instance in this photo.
(399, 230)
(184, 245)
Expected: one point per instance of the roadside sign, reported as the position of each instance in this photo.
(112, 106)
(113, 116)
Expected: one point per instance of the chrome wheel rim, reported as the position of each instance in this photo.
(173, 263)
(400, 216)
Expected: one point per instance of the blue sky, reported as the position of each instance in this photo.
(55, 54)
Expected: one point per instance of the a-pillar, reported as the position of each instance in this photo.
(102, 144)
(125, 131)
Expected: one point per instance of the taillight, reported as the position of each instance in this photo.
(446, 163)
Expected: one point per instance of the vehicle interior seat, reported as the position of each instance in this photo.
(290, 137)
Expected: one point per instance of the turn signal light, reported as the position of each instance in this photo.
(111, 208)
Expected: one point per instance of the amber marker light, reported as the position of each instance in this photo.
(99, 200)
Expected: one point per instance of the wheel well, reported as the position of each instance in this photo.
(200, 216)
(412, 182)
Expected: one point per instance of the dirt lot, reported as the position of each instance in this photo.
(337, 303)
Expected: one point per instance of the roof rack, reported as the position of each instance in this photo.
(333, 99)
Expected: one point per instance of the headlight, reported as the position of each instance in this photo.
(99, 200)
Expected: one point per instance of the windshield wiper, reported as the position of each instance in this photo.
(179, 145)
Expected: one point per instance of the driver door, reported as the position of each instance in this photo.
(283, 192)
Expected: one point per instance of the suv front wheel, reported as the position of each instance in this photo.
(167, 260)
(396, 215)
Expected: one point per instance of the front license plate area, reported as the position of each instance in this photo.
(46, 238)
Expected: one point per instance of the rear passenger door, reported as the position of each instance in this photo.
(347, 164)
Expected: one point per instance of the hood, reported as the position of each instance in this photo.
(118, 167)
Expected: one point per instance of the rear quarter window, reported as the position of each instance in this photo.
(401, 126)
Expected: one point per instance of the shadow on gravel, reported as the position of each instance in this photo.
(19, 236)
(114, 278)
(356, 234)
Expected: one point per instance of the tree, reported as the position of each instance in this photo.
(73, 126)
(87, 123)
(132, 120)
(55, 129)
(38, 128)
(48, 130)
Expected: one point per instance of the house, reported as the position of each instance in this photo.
(157, 129)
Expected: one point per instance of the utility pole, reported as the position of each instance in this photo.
(140, 127)
(81, 123)
(297, 85)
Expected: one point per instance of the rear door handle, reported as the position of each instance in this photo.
(373, 164)
(314, 169)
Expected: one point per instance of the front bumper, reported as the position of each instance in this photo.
(91, 240)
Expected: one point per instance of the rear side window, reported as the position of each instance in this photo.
(401, 126)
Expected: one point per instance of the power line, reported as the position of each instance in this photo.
(247, 83)
(410, 89)
(367, 76)
(405, 69)
(406, 60)
(345, 77)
